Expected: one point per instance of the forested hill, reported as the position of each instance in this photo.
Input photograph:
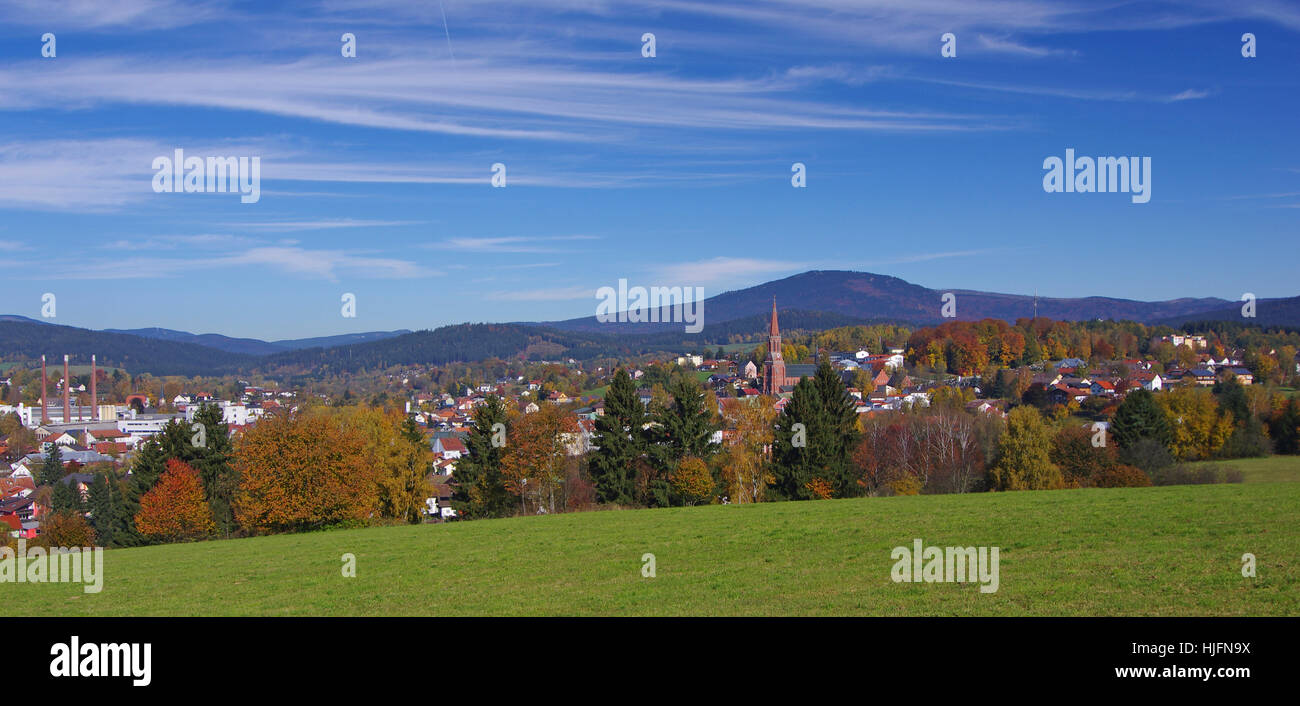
(28, 340)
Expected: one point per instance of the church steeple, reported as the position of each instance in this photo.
(774, 363)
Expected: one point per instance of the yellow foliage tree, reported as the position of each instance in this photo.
(745, 467)
(692, 480)
(1199, 428)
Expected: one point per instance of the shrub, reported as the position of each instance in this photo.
(1205, 475)
(1121, 476)
(65, 529)
(1148, 454)
(907, 485)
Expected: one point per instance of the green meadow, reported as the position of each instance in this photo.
(1139, 551)
(1268, 469)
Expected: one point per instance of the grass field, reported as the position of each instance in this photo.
(1141, 551)
(1269, 469)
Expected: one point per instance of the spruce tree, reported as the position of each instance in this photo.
(65, 498)
(839, 414)
(149, 464)
(619, 442)
(104, 499)
(797, 448)
(683, 427)
(213, 462)
(822, 447)
(479, 489)
(1285, 427)
(1140, 417)
(51, 470)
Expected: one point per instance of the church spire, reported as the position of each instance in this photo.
(773, 330)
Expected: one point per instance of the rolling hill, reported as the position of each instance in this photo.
(868, 296)
(253, 346)
(30, 340)
(1268, 312)
(810, 301)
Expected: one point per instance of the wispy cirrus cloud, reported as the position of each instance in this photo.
(322, 224)
(131, 15)
(491, 99)
(1006, 45)
(723, 269)
(1189, 94)
(543, 294)
(508, 244)
(173, 242)
(329, 265)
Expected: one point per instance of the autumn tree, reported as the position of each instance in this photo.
(692, 481)
(396, 452)
(176, 508)
(746, 467)
(405, 487)
(65, 529)
(864, 381)
(1079, 459)
(1198, 429)
(1024, 453)
(534, 463)
(175, 441)
(302, 472)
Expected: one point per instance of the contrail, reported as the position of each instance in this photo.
(445, 30)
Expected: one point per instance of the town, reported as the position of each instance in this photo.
(885, 410)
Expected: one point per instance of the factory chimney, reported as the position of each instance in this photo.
(94, 399)
(45, 411)
(67, 392)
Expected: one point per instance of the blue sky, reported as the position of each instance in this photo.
(672, 170)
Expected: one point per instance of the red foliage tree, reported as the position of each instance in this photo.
(175, 508)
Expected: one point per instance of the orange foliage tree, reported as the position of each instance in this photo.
(536, 448)
(176, 507)
(303, 472)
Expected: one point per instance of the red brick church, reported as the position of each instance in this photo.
(777, 377)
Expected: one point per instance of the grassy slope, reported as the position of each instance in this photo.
(1149, 551)
(1269, 469)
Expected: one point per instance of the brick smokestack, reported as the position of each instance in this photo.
(45, 411)
(67, 392)
(94, 398)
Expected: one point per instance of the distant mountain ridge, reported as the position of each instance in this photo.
(254, 346)
(869, 296)
(247, 346)
(809, 301)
